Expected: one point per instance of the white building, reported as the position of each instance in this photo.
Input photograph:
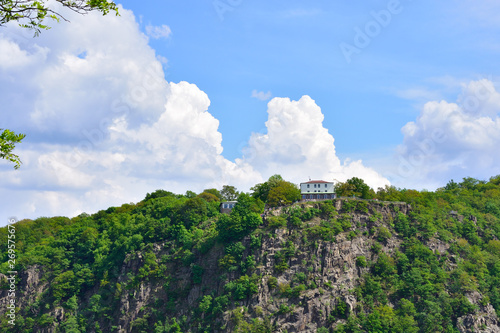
(317, 190)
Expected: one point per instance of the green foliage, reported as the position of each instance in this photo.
(208, 197)
(361, 261)
(328, 210)
(242, 220)
(261, 191)
(340, 310)
(243, 287)
(32, 14)
(284, 309)
(249, 264)
(70, 325)
(158, 194)
(9, 139)
(281, 257)
(276, 222)
(193, 211)
(255, 241)
(383, 234)
(354, 187)
(284, 193)
(64, 285)
(229, 193)
(272, 282)
(205, 303)
(196, 273)
(82, 258)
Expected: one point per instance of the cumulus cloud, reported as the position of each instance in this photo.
(297, 146)
(105, 127)
(453, 140)
(158, 32)
(260, 95)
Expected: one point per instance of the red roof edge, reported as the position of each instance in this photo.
(316, 181)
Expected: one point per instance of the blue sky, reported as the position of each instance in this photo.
(188, 95)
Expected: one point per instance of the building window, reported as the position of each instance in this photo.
(307, 185)
(325, 185)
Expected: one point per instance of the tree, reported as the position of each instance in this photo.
(193, 211)
(261, 191)
(229, 193)
(243, 219)
(208, 197)
(215, 192)
(8, 141)
(354, 187)
(32, 14)
(284, 193)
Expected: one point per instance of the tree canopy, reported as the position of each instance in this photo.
(276, 191)
(444, 249)
(32, 14)
(354, 187)
(229, 193)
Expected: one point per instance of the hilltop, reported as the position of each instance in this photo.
(400, 261)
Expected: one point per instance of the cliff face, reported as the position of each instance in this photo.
(285, 277)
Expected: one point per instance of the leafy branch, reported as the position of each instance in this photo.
(8, 141)
(31, 14)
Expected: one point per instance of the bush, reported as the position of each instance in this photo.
(205, 303)
(276, 222)
(272, 282)
(383, 234)
(244, 287)
(361, 261)
(284, 309)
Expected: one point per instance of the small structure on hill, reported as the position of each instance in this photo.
(317, 190)
(227, 206)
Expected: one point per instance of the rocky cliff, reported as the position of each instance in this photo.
(310, 267)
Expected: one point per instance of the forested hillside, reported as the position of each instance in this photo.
(391, 260)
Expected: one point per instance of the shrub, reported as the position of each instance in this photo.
(276, 222)
(284, 288)
(205, 303)
(272, 282)
(361, 261)
(383, 234)
(284, 309)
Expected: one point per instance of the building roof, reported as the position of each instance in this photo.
(316, 182)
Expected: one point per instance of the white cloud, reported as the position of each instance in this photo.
(453, 140)
(260, 95)
(105, 127)
(297, 146)
(158, 32)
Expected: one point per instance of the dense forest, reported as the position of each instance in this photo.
(390, 260)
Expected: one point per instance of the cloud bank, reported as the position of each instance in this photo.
(105, 127)
(453, 140)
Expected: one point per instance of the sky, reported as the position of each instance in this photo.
(184, 95)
